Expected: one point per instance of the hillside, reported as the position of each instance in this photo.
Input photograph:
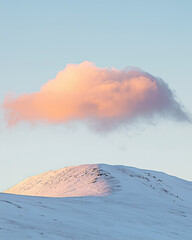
(98, 202)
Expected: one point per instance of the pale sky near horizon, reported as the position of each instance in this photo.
(39, 38)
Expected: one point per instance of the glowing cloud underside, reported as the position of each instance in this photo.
(105, 97)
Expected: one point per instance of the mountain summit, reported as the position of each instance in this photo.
(101, 180)
(84, 180)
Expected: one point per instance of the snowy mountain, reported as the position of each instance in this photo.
(98, 202)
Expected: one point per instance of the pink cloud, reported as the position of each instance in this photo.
(105, 97)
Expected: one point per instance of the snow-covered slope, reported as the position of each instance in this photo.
(84, 180)
(130, 204)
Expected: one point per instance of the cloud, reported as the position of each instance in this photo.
(105, 97)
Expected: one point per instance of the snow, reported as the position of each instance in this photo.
(101, 202)
(65, 182)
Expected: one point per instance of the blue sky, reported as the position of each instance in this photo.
(38, 39)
